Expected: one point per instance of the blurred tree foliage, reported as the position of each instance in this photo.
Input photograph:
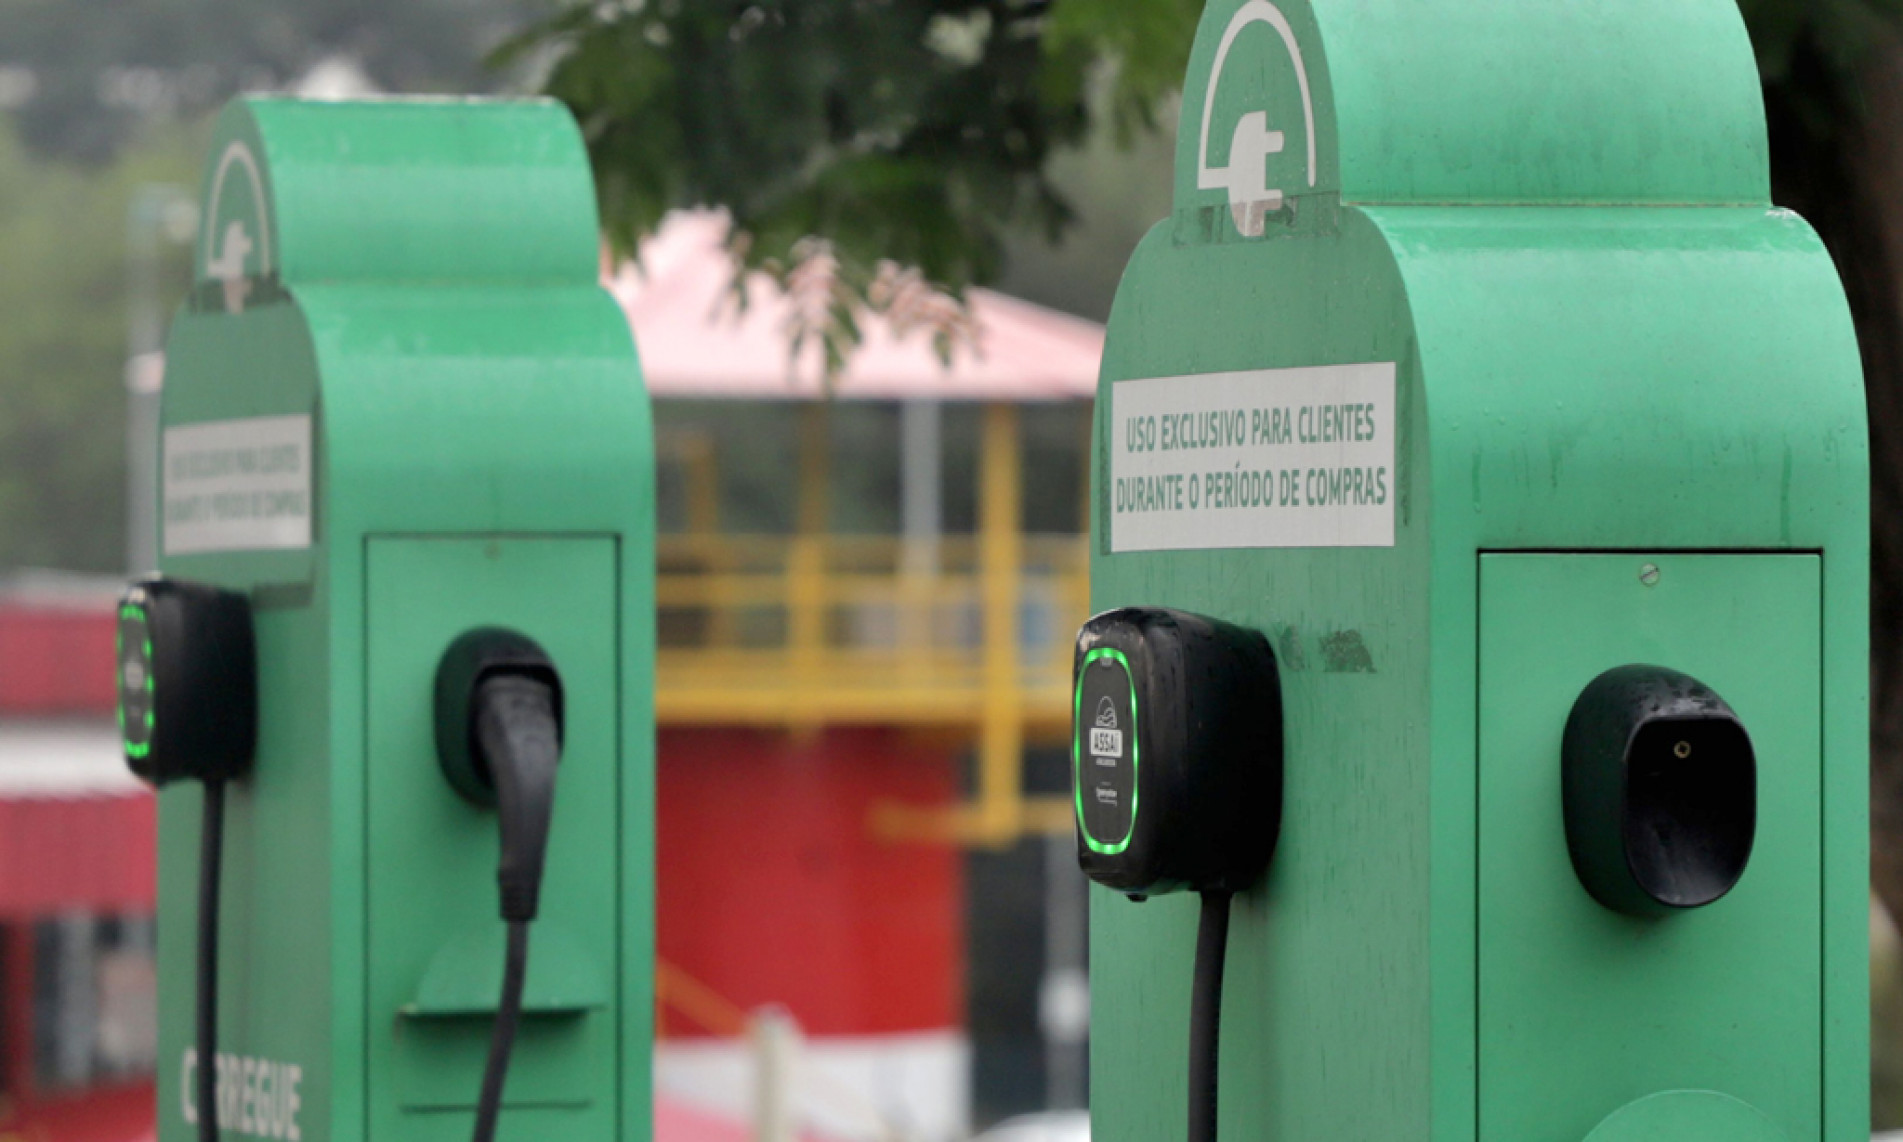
(101, 98)
(908, 132)
(1886, 1017)
(100, 69)
(1833, 82)
(63, 344)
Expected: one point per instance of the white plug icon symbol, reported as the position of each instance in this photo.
(1246, 178)
(229, 247)
(1248, 171)
(228, 267)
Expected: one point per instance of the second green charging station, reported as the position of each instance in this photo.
(1475, 371)
(400, 408)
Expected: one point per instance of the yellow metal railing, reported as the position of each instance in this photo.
(972, 633)
(809, 631)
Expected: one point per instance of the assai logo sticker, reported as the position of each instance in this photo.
(1106, 738)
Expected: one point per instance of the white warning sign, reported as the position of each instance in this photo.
(1268, 458)
(237, 485)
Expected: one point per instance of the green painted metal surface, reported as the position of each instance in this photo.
(1551, 222)
(561, 593)
(1724, 998)
(396, 314)
(1687, 1116)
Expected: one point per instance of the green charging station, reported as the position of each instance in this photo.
(399, 409)
(1476, 373)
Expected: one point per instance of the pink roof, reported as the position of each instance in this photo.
(696, 341)
(679, 1122)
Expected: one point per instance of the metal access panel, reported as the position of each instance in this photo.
(435, 946)
(1583, 1010)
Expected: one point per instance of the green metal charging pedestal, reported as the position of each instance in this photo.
(1474, 362)
(398, 405)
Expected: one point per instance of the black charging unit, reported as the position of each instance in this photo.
(1659, 781)
(499, 741)
(188, 709)
(1176, 771)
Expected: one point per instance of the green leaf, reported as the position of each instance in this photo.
(919, 131)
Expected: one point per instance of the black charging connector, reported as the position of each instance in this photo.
(188, 709)
(1176, 767)
(518, 739)
(1660, 792)
(499, 742)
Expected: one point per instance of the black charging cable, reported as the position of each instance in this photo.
(518, 744)
(1205, 1015)
(211, 835)
(188, 710)
(502, 1039)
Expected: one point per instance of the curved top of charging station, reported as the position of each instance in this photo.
(1551, 219)
(397, 325)
(310, 192)
(1488, 101)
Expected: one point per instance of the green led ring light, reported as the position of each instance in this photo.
(1076, 753)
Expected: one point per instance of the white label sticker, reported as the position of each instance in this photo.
(257, 1098)
(1269, 458)
(1106, 743)
(238, 485)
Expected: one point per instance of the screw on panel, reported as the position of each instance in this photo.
(1682, 750)
(1649, 574)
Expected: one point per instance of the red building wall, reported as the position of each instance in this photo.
(90, 854)
(62, 853)
(59, 853)
(55, 660)
(773, 889)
